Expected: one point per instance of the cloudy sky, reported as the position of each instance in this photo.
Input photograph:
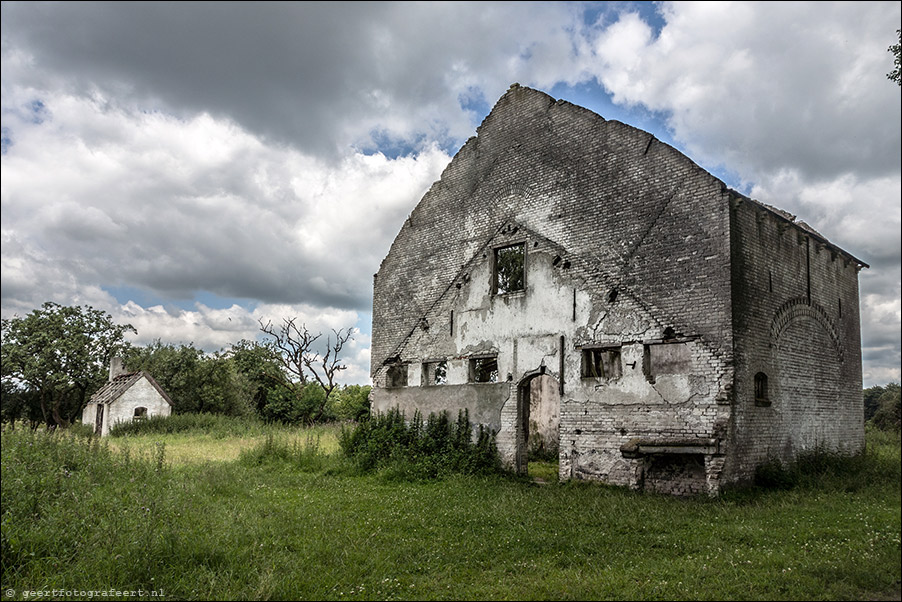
(192, 168)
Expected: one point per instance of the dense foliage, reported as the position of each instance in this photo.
(245, 380)
(54, 358)
(195, 381)
(420, 449)
(883, 407)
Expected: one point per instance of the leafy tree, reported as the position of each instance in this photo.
(18, 403)
(888, 416)
(57, 354)
(352, 402)
(221, 389)
(296, 405)
(872, 400)
(261, 366)
(195, 381)
(896, 49)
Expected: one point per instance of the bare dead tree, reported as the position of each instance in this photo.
(326, 367)
(293, 343)
(301, 362)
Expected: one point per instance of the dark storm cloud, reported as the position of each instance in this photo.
(314, 75)
(270, 67)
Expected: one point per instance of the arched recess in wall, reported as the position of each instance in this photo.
(801, 308)
(808, 357)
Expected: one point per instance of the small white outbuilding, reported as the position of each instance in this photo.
(126, 397)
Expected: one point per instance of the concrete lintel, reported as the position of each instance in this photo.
(637, 448)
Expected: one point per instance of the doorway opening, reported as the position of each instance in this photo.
(538, 428)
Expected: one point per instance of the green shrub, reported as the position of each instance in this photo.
(296, 406)
(81, 430)
(418, 449)
(888, 416)
(351, 402)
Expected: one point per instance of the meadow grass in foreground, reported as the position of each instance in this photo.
(289, 521)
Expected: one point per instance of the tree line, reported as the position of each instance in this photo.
(56, 357)
(883, 407)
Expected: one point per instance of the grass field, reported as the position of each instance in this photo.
(189, 516)
(198, 448)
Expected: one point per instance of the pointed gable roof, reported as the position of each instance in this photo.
(115, 388)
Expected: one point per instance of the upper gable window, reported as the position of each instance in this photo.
(509, 274)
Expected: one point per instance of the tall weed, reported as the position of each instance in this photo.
(833, 471)
(58, 483)
(418, 449)
(273, 451)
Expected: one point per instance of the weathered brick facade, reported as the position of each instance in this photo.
(653, 295)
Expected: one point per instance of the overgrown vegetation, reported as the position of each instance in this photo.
(883, 407)
(287, 521)
(832, 471)
(246, 380)
(418, 448)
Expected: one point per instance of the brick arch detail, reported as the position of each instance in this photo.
(801, 307)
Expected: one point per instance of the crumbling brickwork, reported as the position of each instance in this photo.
(640, 296)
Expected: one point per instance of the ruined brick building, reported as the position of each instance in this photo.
(576, 282)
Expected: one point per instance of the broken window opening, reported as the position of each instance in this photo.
(397, 375)
(140, 413)
(435, 373)
(510, 275)
(484, 370)
(602, 362)
(761, 394)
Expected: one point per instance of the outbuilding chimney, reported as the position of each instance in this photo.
(116, 368)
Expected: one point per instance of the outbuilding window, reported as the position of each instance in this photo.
(140, 413)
